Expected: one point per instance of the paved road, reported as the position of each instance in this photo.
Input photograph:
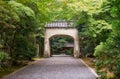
(55, 68)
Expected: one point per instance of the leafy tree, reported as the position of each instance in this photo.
(96, 20)
(23, 47)
(16, 21)
(21, 21)
(8, 20)
(108, 52)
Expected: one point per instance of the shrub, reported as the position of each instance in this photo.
(100, 49)
(3, 56)
(24, 49)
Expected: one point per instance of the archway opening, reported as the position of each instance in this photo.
(61, 45)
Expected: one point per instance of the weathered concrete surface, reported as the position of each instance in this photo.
(52, 32)
(55, 68)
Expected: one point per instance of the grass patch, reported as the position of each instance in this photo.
(89, 62)
(6, 71)
(35, 59)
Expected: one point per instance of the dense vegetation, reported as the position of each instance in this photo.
(20, 23)
(98, 22)
(62, 45)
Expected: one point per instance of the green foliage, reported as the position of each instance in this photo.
(22, 10)
(94, 32)
(108, 52)
(3, 56)
(23, 50)
(69, 51)
(97, 21)
(99, 49)
(20, 21)
(8, 18)
(58, 45)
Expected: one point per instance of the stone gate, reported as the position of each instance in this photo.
(60, 28)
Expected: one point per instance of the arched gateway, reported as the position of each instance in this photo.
(60, 28)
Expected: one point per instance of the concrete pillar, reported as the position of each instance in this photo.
(37, 53)
(76, 48)
(47, 48)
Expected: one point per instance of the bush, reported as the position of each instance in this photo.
(69, 52)
(24, 49)
(3, 56)
(108, 57)
(100, 49)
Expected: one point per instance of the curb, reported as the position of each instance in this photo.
(7, 76)
(90, 69)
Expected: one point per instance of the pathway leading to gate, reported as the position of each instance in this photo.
(55, 68)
